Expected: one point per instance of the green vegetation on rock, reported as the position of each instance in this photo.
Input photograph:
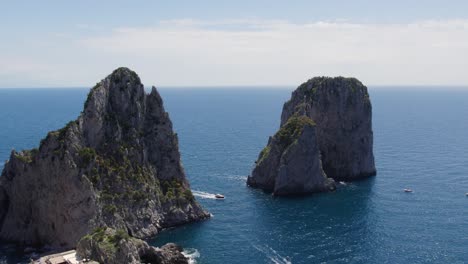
(27, 156)
(123, 72)
(287, 134)
(87, 155)
(264, 154)
(107, 239)
(63, 131)
(188, 195)
(292, 129)
(174, 190)
(311, 87)
(110, 208)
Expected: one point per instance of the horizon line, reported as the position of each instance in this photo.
(262, 86)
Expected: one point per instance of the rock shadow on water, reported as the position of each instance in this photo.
(314, 223)
(188, 236)
(182, 234)
(12, 253)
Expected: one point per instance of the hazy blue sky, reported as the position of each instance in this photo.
(197, 43)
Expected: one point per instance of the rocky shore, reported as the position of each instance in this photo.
(106, 245)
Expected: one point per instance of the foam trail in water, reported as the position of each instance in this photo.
(203, 194)
(238, 178)
(274, 256)
(192, 254)
(270, 253)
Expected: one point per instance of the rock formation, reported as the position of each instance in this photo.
(118, 165)
(342, 110)
(327, 123)
(109, 246)
(290, 163)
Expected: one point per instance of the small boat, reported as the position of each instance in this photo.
(219, 196)
(408, 190)
(342, 183)
(466, 194)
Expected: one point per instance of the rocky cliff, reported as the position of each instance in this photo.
(109, 246)
(290, 164)
(342, 110)
(117, 165)
(326, 131)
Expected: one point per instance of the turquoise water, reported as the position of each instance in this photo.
(421, 142)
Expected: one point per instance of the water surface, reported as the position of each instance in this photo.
(421, 142)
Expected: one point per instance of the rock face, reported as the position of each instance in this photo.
(117, 165)
(342, 110)
(326, 131)
(290, 164)
(107, 245)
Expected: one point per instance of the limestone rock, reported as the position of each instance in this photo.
(342, 110)
(107, 245)
(117, 165)
(290, 164)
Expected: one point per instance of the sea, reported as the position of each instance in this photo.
(420, 142)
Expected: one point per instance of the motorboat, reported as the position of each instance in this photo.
(219, 196)
(408, 190)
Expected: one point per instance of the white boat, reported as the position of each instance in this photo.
(408, 190)
(219, 196)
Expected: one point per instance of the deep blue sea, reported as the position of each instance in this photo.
(420, 142)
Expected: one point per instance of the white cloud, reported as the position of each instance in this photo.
(259, 52)
(16, 69)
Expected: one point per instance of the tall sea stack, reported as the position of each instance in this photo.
(332, 139)
(118, 165)
(342, 110)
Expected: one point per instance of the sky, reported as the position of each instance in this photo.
(234, 43)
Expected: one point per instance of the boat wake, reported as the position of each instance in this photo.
(204, 194)
(238, 178)
(271, 254)
(192, 254)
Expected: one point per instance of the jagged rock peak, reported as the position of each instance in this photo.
(118, 165)
(290, 164)
(342, 109)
